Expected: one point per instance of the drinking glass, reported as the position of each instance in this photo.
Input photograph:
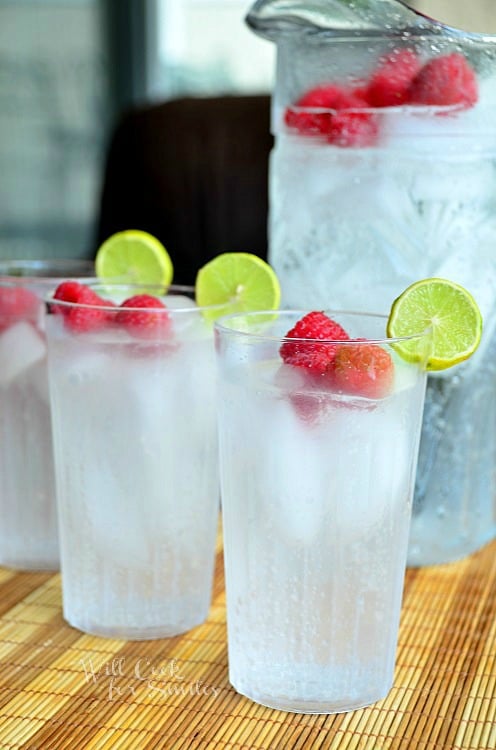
(133, 409)
(28, 518)
(316, 489)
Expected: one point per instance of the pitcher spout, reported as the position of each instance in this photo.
(274, 19)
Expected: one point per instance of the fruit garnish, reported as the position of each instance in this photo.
(68, 291)
(90, 317)
(136, 316)
(85, 319)
(76, 292)
(236, 282)
(313, 356)
(134, 257)
(353, 129)
(389, 84)
(17, 303)
(358, 369)
(447, 308)
(88, 312)
(445, 80)
(320, 97)
(343, 125)
(343, 116)
(363, 370)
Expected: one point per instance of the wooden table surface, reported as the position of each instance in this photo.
(60, 688)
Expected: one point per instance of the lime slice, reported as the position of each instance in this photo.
(134, 257)
(237, 282)
(449, 310)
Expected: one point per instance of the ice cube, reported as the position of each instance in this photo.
(89, 366)
(179, 302)
(294, 483)
(21, 346)
(366, 457)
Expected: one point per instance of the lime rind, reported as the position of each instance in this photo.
(134, 257)
(236, 282)
(451, 312)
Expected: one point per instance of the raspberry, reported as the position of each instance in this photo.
(17, 303)
(341, 127)
(357, 129)
(68, 291)
(390, 82)
(445, 80)
(85, 319)
(363, 370)
(140, 322)
(80, 319)
(320, 97)
(314, 357)
(328, 96)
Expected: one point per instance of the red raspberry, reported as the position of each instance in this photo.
(80, 319)
(342, 128)
(363, 370)
(361, 93)
(321, 97)
(141, 322)
(353, 129)
(85, 319)
(17, 303)
(314, 357)
(445, 80)
(90, 318)
(75, 292)
(327, 96)
(390, 82)
(68, 291)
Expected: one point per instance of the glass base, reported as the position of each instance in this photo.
(300, 706)
(421, 556)
(120, 632)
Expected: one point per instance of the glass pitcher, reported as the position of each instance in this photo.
(384, 172)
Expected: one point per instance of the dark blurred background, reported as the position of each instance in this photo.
(71, 70)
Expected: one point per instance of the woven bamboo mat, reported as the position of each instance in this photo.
(61, 689)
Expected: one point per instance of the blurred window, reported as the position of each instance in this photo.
(53, 111)
(204, 47)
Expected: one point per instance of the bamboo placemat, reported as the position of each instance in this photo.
(61, 689)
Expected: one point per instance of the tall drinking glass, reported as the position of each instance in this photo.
(316, 494)
(28, 518)
(384, 172)
(133, 410)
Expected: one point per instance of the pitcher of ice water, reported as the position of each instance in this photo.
(384, 172)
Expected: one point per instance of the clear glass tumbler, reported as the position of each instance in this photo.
(28, 517)
(317, 486)
(134, 429)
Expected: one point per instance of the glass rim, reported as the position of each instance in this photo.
(450, 35)
(391, 109)
(220, 327)
(158, 291)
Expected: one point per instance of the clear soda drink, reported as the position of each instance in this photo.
(134, 428)
(28, 514)
(317, 483)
